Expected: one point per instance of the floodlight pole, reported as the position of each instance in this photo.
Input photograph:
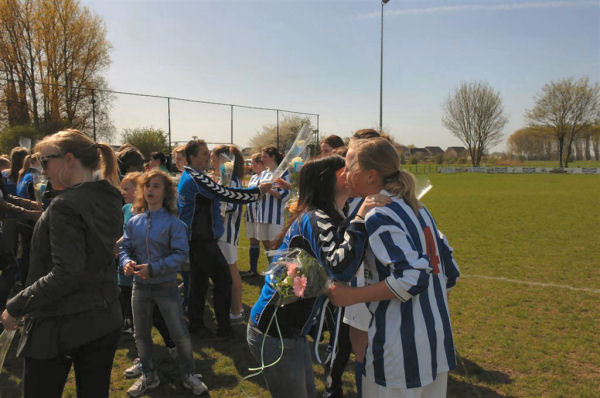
(383, 2)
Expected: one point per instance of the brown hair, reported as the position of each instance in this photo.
(256, 157)
(17, 156)
(192, 148)
(178, 149)
(131, 177)
(365, 134)
(29, 160)
(90, 154)
(238, 158)
(380, 155)
(170, 198)
(334, 141)
(4, 162)
(273, 152)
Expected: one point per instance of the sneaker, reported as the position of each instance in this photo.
(135, 370)
(236, 319)
(172, 352)
(143, 384)
(193, 382)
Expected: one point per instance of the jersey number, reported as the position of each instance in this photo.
(434, 260)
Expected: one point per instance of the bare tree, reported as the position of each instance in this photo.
(569, 107)
(475, 115)
(288, 128)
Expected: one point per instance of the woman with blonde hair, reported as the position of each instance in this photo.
(409, 269)
(71, 302)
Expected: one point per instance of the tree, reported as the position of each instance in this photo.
(288, 128)
(147, 140)
(475, 115)
(9, 137)
(568, 107)
(533, 143)
(52, 53)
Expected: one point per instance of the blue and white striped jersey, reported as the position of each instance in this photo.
(250, 215)
(270, 210)
(233, 217)
(410, 338)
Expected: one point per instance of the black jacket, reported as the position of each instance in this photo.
(72, 294)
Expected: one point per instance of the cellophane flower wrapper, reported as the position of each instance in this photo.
(297, 275)
(297, 154)
(226, 171)
(422, 186)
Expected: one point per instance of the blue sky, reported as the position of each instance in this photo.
(323, 57)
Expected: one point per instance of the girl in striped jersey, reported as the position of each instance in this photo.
(319, 228)
(409, 269)
(270, 208)
(228, 242)
(251, 217)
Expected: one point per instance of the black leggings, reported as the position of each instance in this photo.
(93, 364)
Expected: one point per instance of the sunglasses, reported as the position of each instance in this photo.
(44, 160)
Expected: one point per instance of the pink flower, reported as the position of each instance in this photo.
(291, 269)
(299, 285)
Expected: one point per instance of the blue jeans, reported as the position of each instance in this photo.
(292, 376)
(166, 296)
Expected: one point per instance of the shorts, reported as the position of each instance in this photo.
(357, 316)
(250, 230)
(230, 251)
(267, 231)
(437, 389)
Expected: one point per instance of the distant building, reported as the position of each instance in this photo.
(419, 151)
(456, 152)
(434, 150)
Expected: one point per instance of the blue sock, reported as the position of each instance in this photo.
(358, 373)
(254, 254)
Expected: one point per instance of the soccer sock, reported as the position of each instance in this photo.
(254, 253)
(358, 373)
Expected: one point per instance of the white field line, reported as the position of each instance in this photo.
(531, 283)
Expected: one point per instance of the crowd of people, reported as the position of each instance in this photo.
(118, 244)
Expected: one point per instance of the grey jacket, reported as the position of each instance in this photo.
(71, 296)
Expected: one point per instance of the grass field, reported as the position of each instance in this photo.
(513, 338)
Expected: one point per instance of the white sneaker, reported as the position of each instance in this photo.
(134, 370)
(193, 382)
(172, 352)
(143, 384)
(237, 318)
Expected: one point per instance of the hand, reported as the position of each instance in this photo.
(265, 187)
(371, 201)
(129, 268)
(142, 271)
(281, 183)
(32, 214)
(9, 321)
(341, 295)
(36, 206)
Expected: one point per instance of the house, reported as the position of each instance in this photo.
(421, 152)
(434, 150)
(456, 152)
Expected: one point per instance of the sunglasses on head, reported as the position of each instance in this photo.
(44, 159)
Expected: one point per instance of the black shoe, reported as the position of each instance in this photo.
(250, 274)
(333, 393)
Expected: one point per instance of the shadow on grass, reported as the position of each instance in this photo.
(473, 373)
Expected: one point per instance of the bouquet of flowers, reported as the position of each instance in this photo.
(226, 171)
(297, 275)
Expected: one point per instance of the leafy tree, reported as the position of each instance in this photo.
(475, 115)
(568, 107)
(52, 52)
(9, 137)
(289, 126)
(147, 140)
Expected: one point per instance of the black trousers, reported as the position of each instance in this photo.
(207, 261)
(336, 369)
(93, 364)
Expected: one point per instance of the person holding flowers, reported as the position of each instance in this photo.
(251, 217)
(409, 270)
(318, 228)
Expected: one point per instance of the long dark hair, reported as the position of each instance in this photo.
(238, 158)
(274, 152)
(17, 157)
(317, 184)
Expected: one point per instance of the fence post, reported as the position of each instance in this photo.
(94, 113)
(169, 121)
(231, 124)
(277, 129)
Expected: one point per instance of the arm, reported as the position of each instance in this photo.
(393, 247)
(212, 190)
(343, 295)
(68, 248)
(126, 248)
(450, 267)
(10, 208)
(179, 248)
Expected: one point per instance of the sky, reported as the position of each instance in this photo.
(323, 57)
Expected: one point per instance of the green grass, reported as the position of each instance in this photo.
(512, 339)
